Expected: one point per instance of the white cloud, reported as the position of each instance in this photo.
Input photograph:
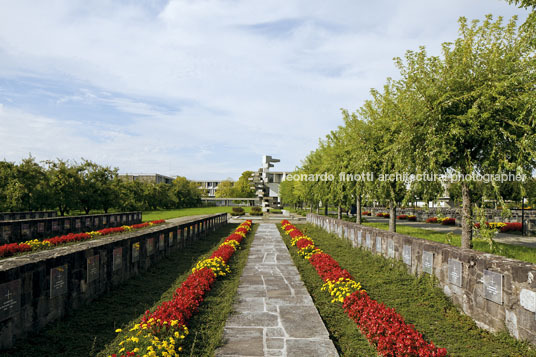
(249, 77)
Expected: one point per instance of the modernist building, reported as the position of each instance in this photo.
(210, 187)
(266, 183)
(153, 178)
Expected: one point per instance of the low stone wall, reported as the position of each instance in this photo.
(495, 291)
(38, 288)
(492, 215)
(13, 216)
(26, 229)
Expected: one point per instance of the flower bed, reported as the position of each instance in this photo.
(412, 218)
(366, 213)
(431, 220)
(8, 250)
(382, 326)
(503, 227)
(159, 333)
(402, 216)
(446, 221)
(383, 215)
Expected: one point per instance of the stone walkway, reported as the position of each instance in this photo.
(274, 314)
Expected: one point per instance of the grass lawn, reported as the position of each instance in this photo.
(418, 299)
(183, 212)
(526, 254)
(89, 329)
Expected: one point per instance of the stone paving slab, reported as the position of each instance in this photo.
(274, 314)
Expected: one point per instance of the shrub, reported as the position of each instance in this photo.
(238, 211)
(256, 211)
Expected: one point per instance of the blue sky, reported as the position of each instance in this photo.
(201, 88)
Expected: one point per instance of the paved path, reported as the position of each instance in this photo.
(274, 314)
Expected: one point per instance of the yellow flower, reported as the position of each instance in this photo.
(118, 330)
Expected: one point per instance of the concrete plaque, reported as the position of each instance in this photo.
(88, 222)
(527, 299)
(170, 236)
(92, 268)
(406, 254)
(150, 246)
(359, 238)
(379, 245)
(493, 283)
(161, 242)
(368, 241)
(58, 281)
(391, 248)
(96, 222)
(455, 272)
(25, 229)
(117, 258)
(55, 226)
(77, 224)
(9, 299)
(67, 224)
(428, 262)
(135, 252)
(123, 218)
(41, 227)
(112, 219)
(104, 220)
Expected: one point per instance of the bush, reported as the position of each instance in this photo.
(238, 211)
(256, 211)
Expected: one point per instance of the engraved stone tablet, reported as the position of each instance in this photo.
(359, 238)
(9, 299)
(391, 248)
(96, 222)
(378, 245)
(58, 281)
(406, 254)
(493, 286)
(77, 224)
(7, 231)
(41, 227)
(88, 222)
(117, 258)
(55, 226)
(123, 218)
(112, 219)
(369, 241)
(104, 220)
(67, 224)
(428, 262)
(135, 252)
(161, 242)
(170, 238)
(455, 272)
(25, 229)
(527, 299)
(150, 246)
(92, 268)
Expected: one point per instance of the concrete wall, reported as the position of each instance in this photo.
(495, 291)
(26, 229)
(38, 288)
(10, 216)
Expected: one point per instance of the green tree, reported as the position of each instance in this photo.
(243, 187)
(226, 189)
(65, 180)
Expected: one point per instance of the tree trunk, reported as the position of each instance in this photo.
(339, 211)
(310, 207)
(326, 209)
(317, 208)
(358, 209)
(392, 216)
(467, 224)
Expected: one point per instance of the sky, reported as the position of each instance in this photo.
(201, 88)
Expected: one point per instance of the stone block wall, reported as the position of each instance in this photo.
(13, 216)
(16, 231)
(38, 288)
(495, 291)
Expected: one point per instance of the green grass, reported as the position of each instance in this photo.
(183, 212)
(526, 254)
(87, 330)
(418, 299)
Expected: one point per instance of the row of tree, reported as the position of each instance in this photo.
(469, 111)
(86, 186)
(241, 188)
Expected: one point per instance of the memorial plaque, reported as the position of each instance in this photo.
(406, 254)
(77, 224)
(170, 238)
(25, 229)
(92, 268)
(455, 272)
(67, 224)
(41, 227)
(124, 218)
(104, 220)
(55, 226)
(391, 248)
(88, 222)
(7, 231)
(369, 241)
(150, 246)
(493, 283)
(117, 261)
(9, 299)
(96, 222)
(359, 238)
(162, 242)
(428, 262)
(379, 245)
(135, 252)
(58, 281)
(112, 219)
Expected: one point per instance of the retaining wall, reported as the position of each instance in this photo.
(26, 229)
(10, 216)
(41, 287)
(497, 292)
